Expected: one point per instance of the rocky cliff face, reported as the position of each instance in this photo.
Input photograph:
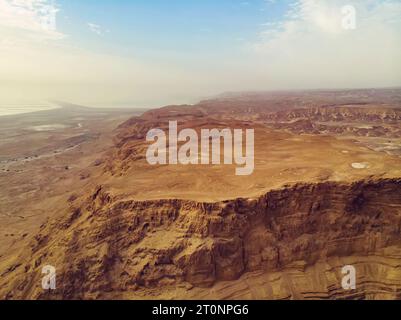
(358, 121)
(320, 199)
(108, 246)
(340, 113)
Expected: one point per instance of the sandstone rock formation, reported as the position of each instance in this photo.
(108, 248)
(141, 232)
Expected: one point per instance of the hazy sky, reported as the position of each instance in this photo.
(157, 52)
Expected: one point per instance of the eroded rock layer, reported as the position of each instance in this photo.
(288, 243)
(325, 193)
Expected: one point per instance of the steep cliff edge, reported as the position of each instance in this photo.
(111, 247)
(325, 193)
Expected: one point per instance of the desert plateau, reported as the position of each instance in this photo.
(200, 159)
(325, 193)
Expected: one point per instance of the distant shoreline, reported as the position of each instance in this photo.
(23, 109)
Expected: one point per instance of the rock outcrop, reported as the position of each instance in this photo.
(110, 247)
(325, 193)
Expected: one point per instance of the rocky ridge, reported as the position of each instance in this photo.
(111, 247)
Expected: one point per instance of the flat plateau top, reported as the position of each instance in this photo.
(281, 158)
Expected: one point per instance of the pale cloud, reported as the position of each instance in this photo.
(95, 28)
(36, 18)
(311, 48)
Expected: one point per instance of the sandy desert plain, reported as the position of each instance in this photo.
(77, 193)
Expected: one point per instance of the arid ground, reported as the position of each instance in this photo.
(77, 193)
